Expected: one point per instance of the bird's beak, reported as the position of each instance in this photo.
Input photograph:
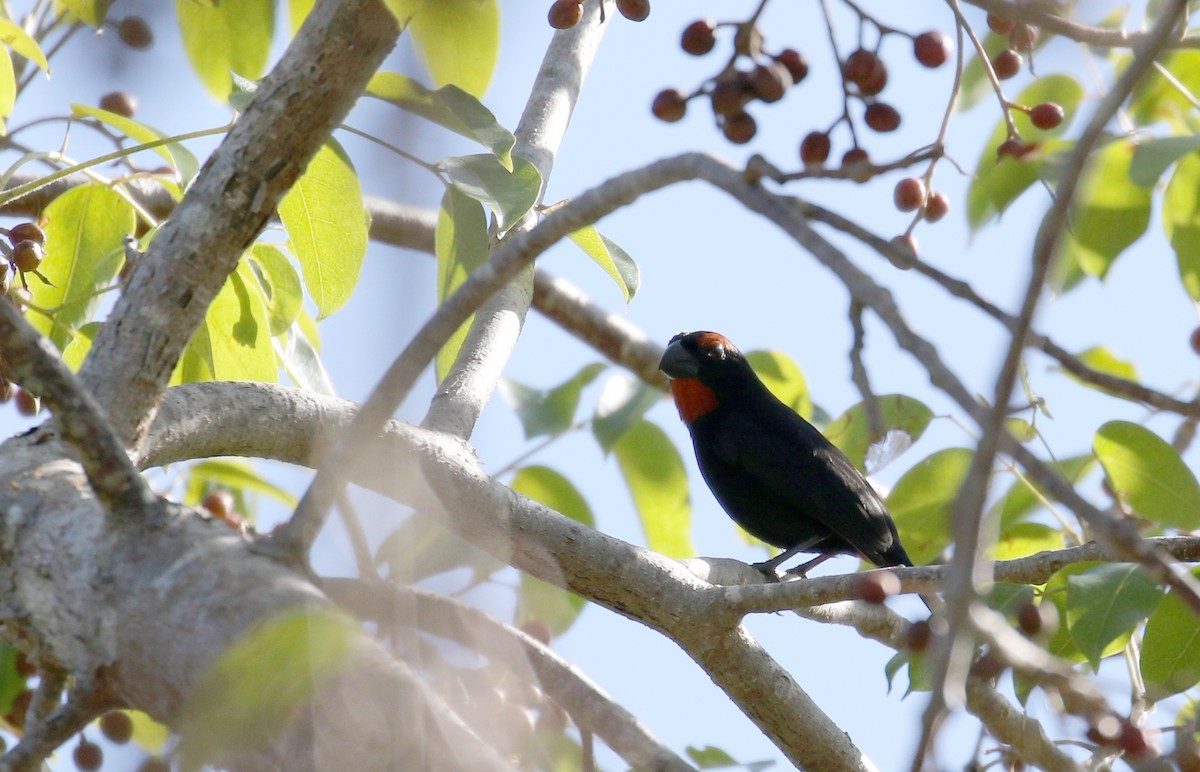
(676, 362)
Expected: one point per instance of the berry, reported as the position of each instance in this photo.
(877, 586)
(219, 503)
(795, 62)
(1023, 37)
(698, 37)
(565, 14)
(932, 48)
(153, 764)
(858, 163)
(1011, 148)
(769, 82)
(748, 41)
(24, 667)
(865, 70)
(917, 635)
(1006, 64)
(1030, 619)
(936, 207)
(135, 32)
(634, 10)
(814, 151)
(729, 96)
(909, 194)
(26, 231)
(1046, 115)
(27, 404)
(987, 667)
(739, 129)
(1132, 740)
(538, 630)
(906, 251)
(999, 24)
(1195, 340)
(882, 117)
(117, 726)
(119, 102)
(27, 255)
(669, 105)
(87, 755)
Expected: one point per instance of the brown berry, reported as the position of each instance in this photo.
(1023, 37)
(634, 10)
(866, 71)
(220, 503)
(565, 14)
(936, 207)
(795, 62)
(27, 255)
(669, 105)
(1195, 340)
(857, 163)
(999, 24)
(87, 755)
(739, 129)
(905, 252)
(882, 117)
(24, 667)
(877, 586)
(987, 667)
(26, 231)
(538, 630)
(698, 37)
(154, 764)
(748, 41)
(814, 151)
(27, 404)
(1046, 115)
(119, 102)
(917, 635)
(20, 706)
(1132, 740)
(1030, 619)
(729, 95)
(117, 726)
(932, 48)
(1006, 64)
(135, 32)
(769, 82)
(1011, 148)
(909, 194)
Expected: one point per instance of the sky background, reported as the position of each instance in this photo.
(708, 265)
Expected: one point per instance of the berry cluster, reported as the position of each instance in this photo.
(766, 78)
(1021, 37)
(565, 14)
(25, 251)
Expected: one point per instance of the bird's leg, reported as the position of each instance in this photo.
(803, 569)
(768, 566)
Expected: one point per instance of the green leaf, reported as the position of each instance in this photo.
(85, 232)
(851, 433)
(298, 351)
(327, 224)
(226, 37)
(420, 548)
(449, 107)
(1102, 360)
(1152, 157)
(1181, 221)
(90, 12)
(150, 735)
(615, 261)
(550, 412)
(461, 245)
(1020, 501)
(710, 757)
(1105, 602)
(1155, 98)
(12, 682)
(458, 40)
(622, 403)
(233, 476)
(1109, 213)
(975, 85)
(782, 376)
(1148, 475)
(998, 183)
(259, 684)
(180, 158)
(1024, 539)
(1009, 599)
(539, 600)
(16, 38)
(922, 500)
(298, 11)
(234, 342)
(1061, 644)
(8, 86)
(657, 480)
(80, 345)
(508, 194)
(1171, 648)
(280, 285)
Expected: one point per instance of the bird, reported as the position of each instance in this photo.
(773, 472)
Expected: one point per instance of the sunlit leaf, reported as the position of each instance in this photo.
(234, 342)
(1181, 220)
(657, 480)
(1024, 539)
(783, 377)
(448, 106)
(299, 353)
(622, 403)
(327, 224)
(298, 11)
(921, 502)
(280, 285)
(551, 411)
(1103, 360)
(458, 40)
(615, 261)
(257, 685)
(1061, 643)
(79, 346)
(852, 434)
(90, 12)
(179, 157)
(1105, 602)
(420, 548)
(16, 38)
(1148, 475)
(1020, 501)
(508, 194)
(461, 245)
(150, 735)
(1155, 98)
(226, 37)
(232, 475)
(539, 600)
(1109, 213)
(1170, 660)
(85, 231)
(1152, 157)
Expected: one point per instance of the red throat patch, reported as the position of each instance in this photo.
(693, 398)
